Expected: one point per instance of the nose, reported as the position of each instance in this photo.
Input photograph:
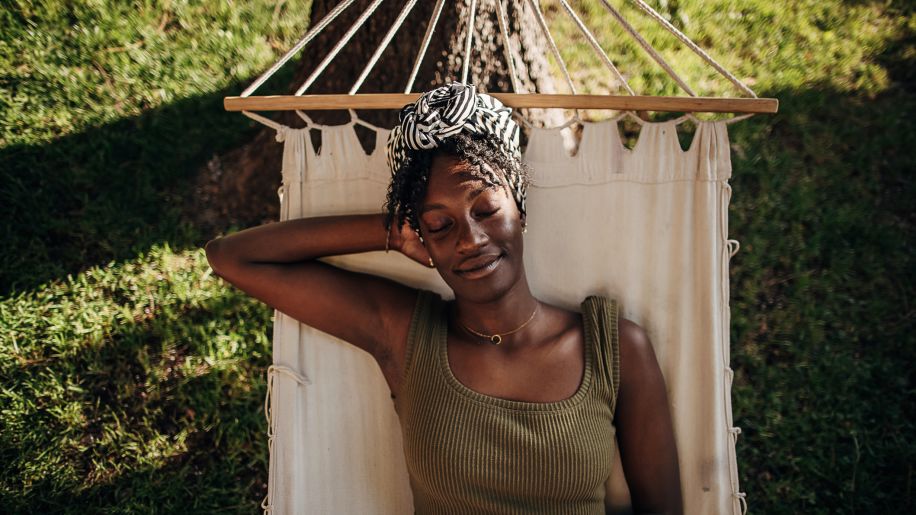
(471, 237)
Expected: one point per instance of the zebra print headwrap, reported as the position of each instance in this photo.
(449, 110)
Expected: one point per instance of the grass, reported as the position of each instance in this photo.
(137, 387)
(131, 380)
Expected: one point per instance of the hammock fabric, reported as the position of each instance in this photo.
(646, 226)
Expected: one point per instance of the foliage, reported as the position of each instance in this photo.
(131, 380)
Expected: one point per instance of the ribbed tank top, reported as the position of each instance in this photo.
(468, 452)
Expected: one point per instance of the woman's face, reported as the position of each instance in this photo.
(472, 231)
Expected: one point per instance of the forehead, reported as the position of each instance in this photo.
(451, 174)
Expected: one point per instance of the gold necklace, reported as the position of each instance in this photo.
(496, 339)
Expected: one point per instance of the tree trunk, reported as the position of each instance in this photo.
(240, 186)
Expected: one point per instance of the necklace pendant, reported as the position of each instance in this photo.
(496, 339)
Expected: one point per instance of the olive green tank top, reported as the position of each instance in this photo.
(470, 453)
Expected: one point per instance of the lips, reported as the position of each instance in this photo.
(479, 266)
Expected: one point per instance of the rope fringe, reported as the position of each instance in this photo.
(742, 499)
(727, 252)
(274, 371)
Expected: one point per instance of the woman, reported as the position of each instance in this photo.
(506, 403)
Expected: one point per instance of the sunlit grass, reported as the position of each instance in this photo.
(139, 379)
(768, 45)
(72, 65)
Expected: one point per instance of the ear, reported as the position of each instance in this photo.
(523, 217)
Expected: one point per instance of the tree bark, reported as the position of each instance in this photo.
(240, 187)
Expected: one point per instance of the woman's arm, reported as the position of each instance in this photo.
(277, 264)
(644, 429)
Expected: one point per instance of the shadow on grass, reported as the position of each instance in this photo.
(822, 318)
(166, 422)
(110, 192)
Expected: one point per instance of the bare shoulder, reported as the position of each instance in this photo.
(638, 363)
(634, 340)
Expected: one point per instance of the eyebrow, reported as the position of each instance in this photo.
(471, 196)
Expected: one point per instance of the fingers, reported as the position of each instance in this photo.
(411, 244)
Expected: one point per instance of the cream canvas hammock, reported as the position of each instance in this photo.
(646, 225)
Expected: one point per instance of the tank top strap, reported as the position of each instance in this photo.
(600, 319)
(424, 329)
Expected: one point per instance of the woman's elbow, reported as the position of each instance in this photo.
(216, 255)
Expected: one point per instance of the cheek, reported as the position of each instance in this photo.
(506, 228)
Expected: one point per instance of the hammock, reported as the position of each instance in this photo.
(647, 226)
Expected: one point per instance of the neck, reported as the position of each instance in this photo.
(499, 315)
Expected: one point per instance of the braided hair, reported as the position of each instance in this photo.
(409, 181)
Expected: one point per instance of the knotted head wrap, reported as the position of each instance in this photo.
(446, 111)
(433, 122)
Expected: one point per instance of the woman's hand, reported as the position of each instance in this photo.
(406, 241)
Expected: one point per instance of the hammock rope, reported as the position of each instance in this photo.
(597, 47)
(727, 252)
(466, 65)
(693, 46)
(314, 31)
(556, 53)
(338, 47)
(430, 28)
(542, 23)
(351, 100)
(742, 499)
(263, 119)
(507, 49)
(274, 371)
(383, 45)
(648, 48)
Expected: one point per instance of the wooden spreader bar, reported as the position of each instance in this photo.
(516, 100)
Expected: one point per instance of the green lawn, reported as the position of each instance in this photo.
(132, 380)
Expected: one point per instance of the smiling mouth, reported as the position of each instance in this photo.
(480, 270)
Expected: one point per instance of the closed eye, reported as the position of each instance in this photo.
(440, 228)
